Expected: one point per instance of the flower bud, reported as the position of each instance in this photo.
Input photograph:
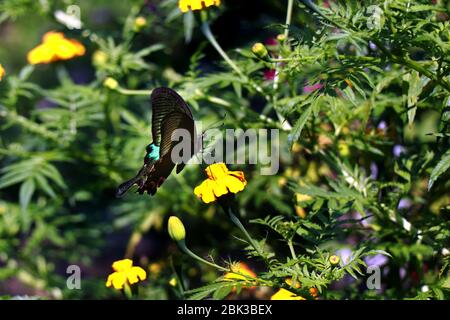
(281, 37)
(176, 229)
(334, 260)
(313, 292)
(110, 83)
(173, 282)
(260, 50)
(99, 58)
(343, 148)
(139, 23)
(2, 72)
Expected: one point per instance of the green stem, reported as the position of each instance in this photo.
(238, 223)
(210, 37)
(127, 291)
(131, 92)
(276, 79)
(292, 250)
(288, 17)
(185, 249)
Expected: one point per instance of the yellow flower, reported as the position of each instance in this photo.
(299, 211)
(220, 182)
(2, 72)
(125, 272)
(284, 294)
(176, 229)
(343, 148)
(173, 282)
(239, 271)
(186, 5)
(290, 283)
(300, 197)
(334, 260)
(155, 268)
(55, 47)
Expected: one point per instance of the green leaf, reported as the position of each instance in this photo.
(298, 127)
(222, 292)
(440, 168)
(415, 86)
(26, 192)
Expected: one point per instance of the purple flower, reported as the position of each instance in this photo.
(269, 75)
(314, 87)
(398, 150)
(365, 222)
(373, 170)
(271, 42)
(345, 254)
(404, 203)
(382, 125)
(376, 260)
(402, 272)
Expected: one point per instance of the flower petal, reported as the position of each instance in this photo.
(219, 188)
(233, 184)
(284, 294)
(40, 54)
(205, 191)
(122, 265)
(117, 279)
(136, 274)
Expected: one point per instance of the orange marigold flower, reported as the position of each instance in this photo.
(186, 5)
(2, 72)
(313, 292)
(125, 273)
(55, 47)
(284, 294)
(220, 182)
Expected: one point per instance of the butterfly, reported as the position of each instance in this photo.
(169, 113)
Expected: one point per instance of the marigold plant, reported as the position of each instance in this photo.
(334, 183)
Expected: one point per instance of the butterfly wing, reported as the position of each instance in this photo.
(169, 112)
(164, 102)
(167, 161)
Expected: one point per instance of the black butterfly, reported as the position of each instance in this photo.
(169, 112)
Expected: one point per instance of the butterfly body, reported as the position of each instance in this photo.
(170, 112)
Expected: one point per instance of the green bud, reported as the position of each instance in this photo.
(281, 37)
(176, 229)
(110, 83)
(259, 50)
